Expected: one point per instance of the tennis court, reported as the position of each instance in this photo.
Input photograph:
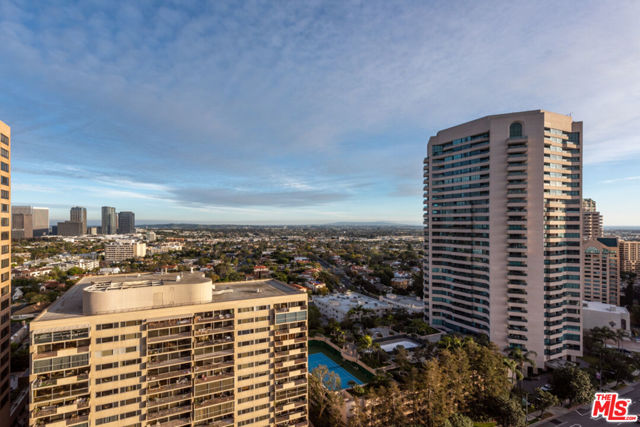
(317, 359)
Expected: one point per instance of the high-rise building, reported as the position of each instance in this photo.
(69, 228)
(79, 214)
(591, 220)
(40, 221)
(629, 252)
(120, 251)
(126, 222)
(109, 220)
(5, 268)
(171, 350)
(21, 222)
(601, 271)
(29, 222)
(502, 218)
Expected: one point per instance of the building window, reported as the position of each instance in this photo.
(5, 180)
(4, 166)
(4, 138)
(515, 130)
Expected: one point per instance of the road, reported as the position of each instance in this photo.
(582, 416)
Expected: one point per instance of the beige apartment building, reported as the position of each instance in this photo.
(592, 227)
(629, 252)
(171, 350)
(120, 251)
(502, 231)
(601, 271)
(5, 267)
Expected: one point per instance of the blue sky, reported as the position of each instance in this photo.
(299, 111)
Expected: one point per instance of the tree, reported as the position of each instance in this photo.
(516, 374)
(75, 271)
(545, 400)
(522, 359)
(365, 342)
(508, 412)
(635, 315)
(459, 420)
(620, 335)
(573, 384)
(324, 397)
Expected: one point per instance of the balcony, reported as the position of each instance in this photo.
(183, 383)
(213, 354)
(169, 337)
(209, 366)
(77, 419)
(291, 384)
(169, 375)
(169, 399)
(168, 362)
(208, 343)
(216, 318)
(168, 324)
(62, 352)
(214, 401)
(213, 330)
(152, 415)
(208, 379)
(61, 395)
(175, 423)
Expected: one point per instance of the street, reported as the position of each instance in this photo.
(582, 416)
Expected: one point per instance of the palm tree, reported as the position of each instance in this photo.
(522, 358)
(620, 334)
(600, 337)
(512, 366)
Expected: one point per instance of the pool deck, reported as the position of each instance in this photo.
(332, 359)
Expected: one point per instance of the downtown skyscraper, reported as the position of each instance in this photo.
(79, 214)
(109, 220)
(126, 222)
(502, 231)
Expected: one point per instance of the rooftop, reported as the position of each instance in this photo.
(600, 306)
(134, 292)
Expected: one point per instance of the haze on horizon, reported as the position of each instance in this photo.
(299, 112)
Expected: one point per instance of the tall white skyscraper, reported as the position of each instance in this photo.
(502, 229)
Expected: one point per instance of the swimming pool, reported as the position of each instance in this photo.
(317, 359)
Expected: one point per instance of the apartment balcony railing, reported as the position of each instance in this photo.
(152, 415)
(169, 375)
(169, 399)
(169, 337)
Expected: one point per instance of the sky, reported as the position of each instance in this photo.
(269, 112)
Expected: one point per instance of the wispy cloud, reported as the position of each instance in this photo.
(298, 102)
(625, 179)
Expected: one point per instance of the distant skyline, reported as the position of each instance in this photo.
(299, 112)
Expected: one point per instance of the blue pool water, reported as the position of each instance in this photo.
(316, 359)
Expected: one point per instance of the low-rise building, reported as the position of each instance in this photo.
(598, 314)
(261, 272)
(338, 306)
(315, 285)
